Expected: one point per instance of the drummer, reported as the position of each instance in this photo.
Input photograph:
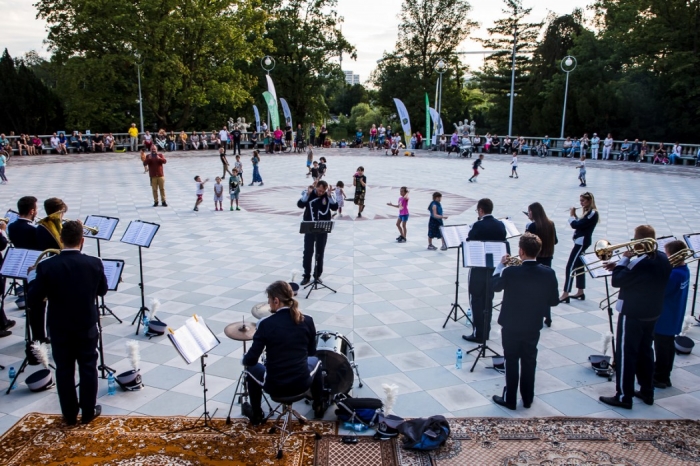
(289, 340)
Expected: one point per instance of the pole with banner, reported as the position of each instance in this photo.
(287, 113)
(405, 121)
(427, 120)
(272, 109)
(257, 118)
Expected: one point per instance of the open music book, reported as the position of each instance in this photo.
(511, 229)
(454, 235)
(105, 225)
(113, 272)
(17, 261)
(474, 252)
(140, 233)
(693, 242)
(193, 339)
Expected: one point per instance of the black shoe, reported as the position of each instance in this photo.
(10, 324)
(155, 204)
(87, 420)
(580, 297)
(164, 204)
(258, 418)
(247, 410)
(70, 422)
(548, 322)
(527, 405)
(647, 399)
(501, 402)
(305, 281)
(318, 279)
(615, 401)
(319, 410)
(471, 338)
(566, 300)
(660, 384)
(5, 333)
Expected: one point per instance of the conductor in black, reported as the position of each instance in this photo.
(529, 291)
(487, 228)
(642, 282)
(72, 281)
(317, 204)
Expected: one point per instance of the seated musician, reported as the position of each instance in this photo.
(288, 338)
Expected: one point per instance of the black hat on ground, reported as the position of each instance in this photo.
(40, 380)
(387, 427)
(684, 345)
(130, 380)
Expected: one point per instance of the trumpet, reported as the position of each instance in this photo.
(92, 230)
(604, 251)
(5, 219)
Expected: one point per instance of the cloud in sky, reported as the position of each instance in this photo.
(370, 25)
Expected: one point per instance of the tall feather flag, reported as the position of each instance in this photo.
(405, 121)
(257, 118)
(272, 109)
(287, 113)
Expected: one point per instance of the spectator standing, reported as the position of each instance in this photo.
(236, 134)
(359, 180)
(3, 163)
(585, 142)
(595, 145)
(312, 134)
(133, 137)
(223, 137)
(607, 147)
(322, 136)
(155, 162)
(256, 171)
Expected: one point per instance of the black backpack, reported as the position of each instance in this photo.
(425, 433)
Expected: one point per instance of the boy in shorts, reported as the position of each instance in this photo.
(234, 187)
(199, 191)
(477, 164)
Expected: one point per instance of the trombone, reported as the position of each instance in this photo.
(604, 251)
(684, 255)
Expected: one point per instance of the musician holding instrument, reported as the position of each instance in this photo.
(22, 231)
(583, 231)
(642, 277)
(288, 338)
(5, 323)
(71, 281)
(670, 322)
(317, 203)
(529, 291)
(48, 232)
(487, 228)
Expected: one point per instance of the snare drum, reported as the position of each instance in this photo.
(337, 355)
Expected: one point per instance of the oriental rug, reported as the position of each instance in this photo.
(41, 439)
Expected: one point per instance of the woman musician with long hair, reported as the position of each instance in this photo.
(583, 231)
(543, 227)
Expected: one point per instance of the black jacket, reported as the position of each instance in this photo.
(486, 229)
(642, 287)
(584, 226)
(44, 239)
(23, 234)
(287, 346)
(317, 208)
(71, 281)
(530, 290)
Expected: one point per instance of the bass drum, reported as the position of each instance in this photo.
(337, 355)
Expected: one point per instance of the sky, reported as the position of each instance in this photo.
(370, 25)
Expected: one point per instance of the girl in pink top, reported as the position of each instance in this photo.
(373, 138)
(402, 205)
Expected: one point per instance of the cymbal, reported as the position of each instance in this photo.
(240, 331)
(261, 310)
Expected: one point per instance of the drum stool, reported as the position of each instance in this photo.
(287, 415)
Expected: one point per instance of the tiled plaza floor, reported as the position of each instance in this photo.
(392, 299)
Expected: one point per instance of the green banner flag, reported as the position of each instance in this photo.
(427, 121)
(272, 108)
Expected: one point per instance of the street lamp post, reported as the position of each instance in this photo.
(440, 67)
(139, 62)
(512, 82)
(268, 64)
(568, 64)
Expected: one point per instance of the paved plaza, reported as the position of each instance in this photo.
(392, 299)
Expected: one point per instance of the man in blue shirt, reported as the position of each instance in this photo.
(624, 150)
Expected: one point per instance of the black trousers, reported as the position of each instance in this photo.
(255, 379)
(481, 303)
(574, 262)
(546, 261)
(236, 145)
(665, 352)
(66, 352)
(520, 352)
(3, 316)
(634, 357)
(313, 241)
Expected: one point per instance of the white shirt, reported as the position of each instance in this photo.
(608, 142)
(54, 141)
(515, 161)
(223, 135)
(199, 189)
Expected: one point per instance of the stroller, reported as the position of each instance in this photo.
(466, 149)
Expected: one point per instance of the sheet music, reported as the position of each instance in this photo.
(140, 233)
(193, 339)
(511, 229)
(11, 215)
(105, 225)
(474, 252)
(693, 242)
(113, 272)
(17, 261)
(454, 235)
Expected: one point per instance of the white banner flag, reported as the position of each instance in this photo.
(271, 87)
(437, 121)
(405, 121)
(287, 113)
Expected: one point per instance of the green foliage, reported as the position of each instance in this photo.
(363, 116)
(343, 97)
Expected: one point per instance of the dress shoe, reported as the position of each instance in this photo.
(155, 204)
(660, 384)
(10, 324)
(471, 338)
(548, 322)
(164, 204)
(580, 297)
(5, 333)
(258, 418)
(566, 300)
(615, 401)
(501, 402)
(87, 420)
(71, 422)
(305, 281)
(647, 399)
(527, 404)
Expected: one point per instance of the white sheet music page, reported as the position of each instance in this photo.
(146, 234)
(13, 262)
(454, 235)
(186, 344)
(113, 270)
(511, 229)
(132, 232)
(11, 215)
(205, 338)
(105, 225)
(473, 253)
(497, 249)
(693, 242)
(598, 270)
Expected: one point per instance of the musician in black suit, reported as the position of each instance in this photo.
(317, 204)
(486, 229)
(642, 282)
(72, 281)
(529, 291)
(22, 231)
(5, 323)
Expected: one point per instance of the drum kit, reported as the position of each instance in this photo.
(334, 350)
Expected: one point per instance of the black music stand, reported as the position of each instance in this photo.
(105, 227)
(481, 254)
(12, 216)
(317, 227)
(113, 272)
(693, 242)
(140, 234)
(454, 235)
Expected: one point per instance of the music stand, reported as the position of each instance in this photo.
(15, 266)
(140, 234)
(105, 229)
(693, 242)
(454, 235)
(11, 216)
(511, 229)
(113, 272)
(481, 254)
(316, 227)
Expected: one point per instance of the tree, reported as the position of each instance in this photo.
(430, 30)
(343, 97)
(187, 47)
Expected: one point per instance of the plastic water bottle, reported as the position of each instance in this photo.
(145, 324)
(356, 426)
(469, 312)
(12, 373)
(458, 364)
(111, 385)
